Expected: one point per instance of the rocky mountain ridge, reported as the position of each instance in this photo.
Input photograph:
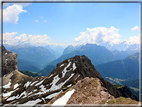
(19, 89)
(98, 54)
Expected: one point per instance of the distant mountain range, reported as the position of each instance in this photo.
(123, 46)
(98, 54)
(127, 68)
(71, 48)
(135, 47)
(38, 55)
(57, 49)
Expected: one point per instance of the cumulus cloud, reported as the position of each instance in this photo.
(135, 28)
(99, 35)
(10, 14)
(133, 40)
(39, 40)
(36, 40)
(21, 39)
(8, 37)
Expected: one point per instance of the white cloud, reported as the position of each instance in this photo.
(44, 20)
(41, 16)
(39, 40)
(134, 40)
(36, 40)
(21, 39)
(7, 37)
(135, 28)
(10, 14)
(36, 20)
(99, 35)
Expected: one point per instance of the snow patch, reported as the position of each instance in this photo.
(33, 83)
(7, 85)
(43, 100)
(32, 91)
(12, 98)
(74, 67)
(55, 80)
(27, 84)
(55, 87)
(50, 75)
(69, 85)
(68, 60)
(42, 88)
(40, 82)
(23, 93)
(61, 65)
(64, 99)
(9, 93)
(52, 95)
(65, 69)
(16, 85)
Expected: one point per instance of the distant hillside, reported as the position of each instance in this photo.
(133, 85)
(28, 65)
(30, 53)
(122, 69)
(29, 73)
(46, 71)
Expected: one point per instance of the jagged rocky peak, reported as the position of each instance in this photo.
(80, 64)
(77, 68)
(9, 62)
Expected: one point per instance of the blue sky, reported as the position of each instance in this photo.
(63, 24)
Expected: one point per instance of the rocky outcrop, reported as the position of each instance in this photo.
(87, 91)
(125, 92)
(9, 61)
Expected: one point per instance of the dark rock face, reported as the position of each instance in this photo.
(125, 92)
(9, 62)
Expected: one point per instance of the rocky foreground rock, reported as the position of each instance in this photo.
(76, 75)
